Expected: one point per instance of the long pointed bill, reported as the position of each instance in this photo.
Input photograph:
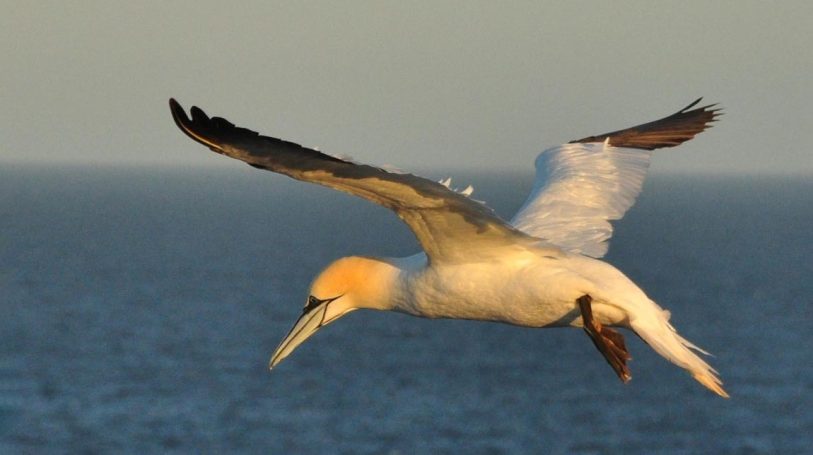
(312, 319)
(305, 326)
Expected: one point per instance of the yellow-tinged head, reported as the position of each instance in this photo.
(345, 285)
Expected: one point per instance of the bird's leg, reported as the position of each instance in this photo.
(609, 342)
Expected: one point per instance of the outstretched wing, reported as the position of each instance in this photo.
(582, 185)
(448, 225)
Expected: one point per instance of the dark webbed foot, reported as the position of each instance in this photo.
(608, 341)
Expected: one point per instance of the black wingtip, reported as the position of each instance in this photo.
(708, 107)
(194, 128)
(669, 131)
(198, 115)
(693, 104)
(178, 114)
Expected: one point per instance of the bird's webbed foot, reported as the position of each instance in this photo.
(608, 341)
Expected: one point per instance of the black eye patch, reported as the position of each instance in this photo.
(313, 302)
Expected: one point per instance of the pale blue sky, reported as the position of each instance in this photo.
(412, 84)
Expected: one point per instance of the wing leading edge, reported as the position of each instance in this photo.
(448, 225)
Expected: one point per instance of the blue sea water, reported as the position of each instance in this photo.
(139, 308)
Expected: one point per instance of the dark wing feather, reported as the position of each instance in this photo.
(448, 225)
(666, 132)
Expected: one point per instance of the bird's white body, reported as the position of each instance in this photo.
(535, 287)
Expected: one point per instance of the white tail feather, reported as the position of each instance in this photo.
(656, 330)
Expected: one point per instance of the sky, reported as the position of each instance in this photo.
(436, 85)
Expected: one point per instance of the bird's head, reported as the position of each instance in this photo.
(345, 285)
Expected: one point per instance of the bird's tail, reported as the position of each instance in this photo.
(655, 330)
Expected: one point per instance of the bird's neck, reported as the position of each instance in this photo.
(375, 282)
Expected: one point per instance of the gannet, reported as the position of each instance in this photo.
(541, 269)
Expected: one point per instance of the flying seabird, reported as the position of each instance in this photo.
(541, 269)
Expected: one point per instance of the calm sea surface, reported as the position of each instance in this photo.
(139, 308)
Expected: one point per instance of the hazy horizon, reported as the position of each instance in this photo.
(225, 165)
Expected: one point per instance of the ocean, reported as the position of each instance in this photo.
(140, 308)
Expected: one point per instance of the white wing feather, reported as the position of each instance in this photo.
(579, 188)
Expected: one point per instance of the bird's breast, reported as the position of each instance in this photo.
(533, 293)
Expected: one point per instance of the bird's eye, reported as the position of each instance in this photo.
(313, 302)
